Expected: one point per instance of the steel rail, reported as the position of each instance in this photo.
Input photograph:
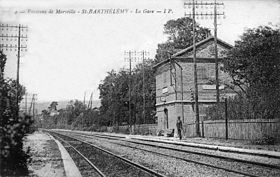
(209, 148)
(189, 145)
(141, 167)
(85, 158)
(192, 161)
(192, 152)
(183, 159)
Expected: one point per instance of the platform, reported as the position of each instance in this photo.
(48, 157)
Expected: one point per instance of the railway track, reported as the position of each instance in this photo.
(101, 161)
(201, 146)
(159, 145)
(229, 164)
(86, 167)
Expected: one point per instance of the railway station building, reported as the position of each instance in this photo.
(175, 84)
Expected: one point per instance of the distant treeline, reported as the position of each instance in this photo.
(114, 96)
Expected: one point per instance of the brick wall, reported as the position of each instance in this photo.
(169, 93)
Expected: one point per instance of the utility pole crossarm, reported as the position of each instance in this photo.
(190, 4)
(14, 43)
(204, 5)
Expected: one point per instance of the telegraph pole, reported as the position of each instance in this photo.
(34, 108)
(17, 47)
(18, 62)
(194, 4)
(129, 53)
(216, 54)
(193, 14)
(129, 98)
(143, 89)
(29, 103)
(90, 101)
(182, 89)
(137, 56)
(195, 76)
(144, 54)
(1, 72)
(32, 105)
(84, 98)
(26, 94)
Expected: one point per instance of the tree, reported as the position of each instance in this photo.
(108, 95)
(3, 59)
(76, 115)
(254, 66)
(114, 95)
(53, 106)
(179, 36)
(74, 109)
(13, 127)
(149, 92)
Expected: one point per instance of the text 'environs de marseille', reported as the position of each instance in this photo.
(82, 11)
(96, 11)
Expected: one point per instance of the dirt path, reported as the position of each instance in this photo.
(45, 158)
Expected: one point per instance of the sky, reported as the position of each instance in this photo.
(69, 54)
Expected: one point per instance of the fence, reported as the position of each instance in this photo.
(143, 129)
(246, 129)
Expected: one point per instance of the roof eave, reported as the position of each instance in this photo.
(225, 44)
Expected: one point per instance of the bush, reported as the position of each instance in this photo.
(265, 140)
(238, 108)
(13, 128)
(13, 158)
(102, 129)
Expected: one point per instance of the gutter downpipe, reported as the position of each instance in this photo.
(182, 94)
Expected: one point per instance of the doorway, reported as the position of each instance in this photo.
(166, 117)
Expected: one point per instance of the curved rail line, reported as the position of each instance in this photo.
(201, 146)
(188, 160)
(186, 151)
(141, 167)
(85, 158)
(191, 161)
